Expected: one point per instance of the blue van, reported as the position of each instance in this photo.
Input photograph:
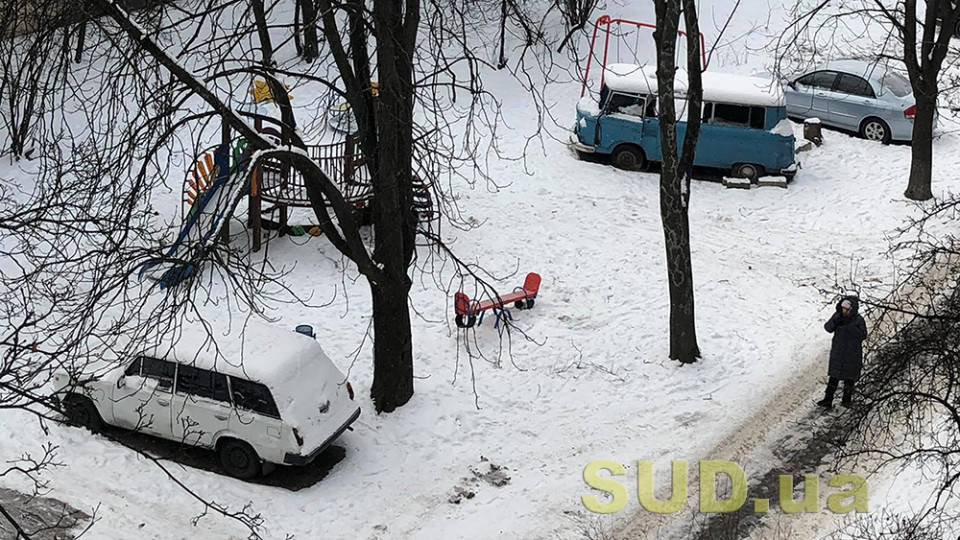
(744, 130)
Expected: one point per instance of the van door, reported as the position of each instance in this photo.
(143, 402)
(201, 405)
(621, 121)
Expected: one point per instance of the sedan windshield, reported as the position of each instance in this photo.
(896, 83)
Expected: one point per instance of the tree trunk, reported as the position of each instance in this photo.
(263, 32)
(502, 62)
(676, 232)
(311, 47)
(674, 183)
(392, 346)
(921, 162)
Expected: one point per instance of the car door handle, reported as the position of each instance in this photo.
(821, 94)
(221, 416)
(163, 402)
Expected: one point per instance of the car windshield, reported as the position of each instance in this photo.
(896, 83)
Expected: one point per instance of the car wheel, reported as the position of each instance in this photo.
(747, 170)
(81, 411)
(956, 31)
(628, 158)
(239, 459)
(874, 129)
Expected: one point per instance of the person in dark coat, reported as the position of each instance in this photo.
(846, 352)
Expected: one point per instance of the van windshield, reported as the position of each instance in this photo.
(896, 83)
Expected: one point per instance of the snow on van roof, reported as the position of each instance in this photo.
(717, 87)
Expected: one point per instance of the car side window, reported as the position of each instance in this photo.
(133, 370)
(253, 396)
(202, 383)
(853, 85)
(819, 79)
(160, 370)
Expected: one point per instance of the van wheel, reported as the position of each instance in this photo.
(239, 459)
(874, 129)
(81, 411)
(628, 158)
(746, 170)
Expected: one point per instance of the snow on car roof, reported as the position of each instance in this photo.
(293, 366)
(248, 349)
(717, 87)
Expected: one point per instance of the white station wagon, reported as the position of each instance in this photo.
(261, 395)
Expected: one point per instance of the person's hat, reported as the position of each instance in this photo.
(846, 304)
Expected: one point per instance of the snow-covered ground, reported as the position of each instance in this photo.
(593, 382)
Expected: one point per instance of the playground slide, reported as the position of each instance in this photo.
(200, 230)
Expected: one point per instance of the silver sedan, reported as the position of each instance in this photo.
(858, 96)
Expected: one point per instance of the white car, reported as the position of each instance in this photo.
(258, 395)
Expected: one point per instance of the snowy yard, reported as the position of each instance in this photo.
(591, 382)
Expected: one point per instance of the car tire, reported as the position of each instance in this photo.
(81, 412)
(628, 158)
(875, 129)
(747, 170)
(956, 30)
(239, 459)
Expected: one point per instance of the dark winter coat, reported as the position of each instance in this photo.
(846, 352)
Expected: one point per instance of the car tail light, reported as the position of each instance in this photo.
(296, 435)
(910, 113)
(350, 391)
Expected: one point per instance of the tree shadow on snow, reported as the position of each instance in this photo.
(290, 478)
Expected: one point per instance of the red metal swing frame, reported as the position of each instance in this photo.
(606, 20)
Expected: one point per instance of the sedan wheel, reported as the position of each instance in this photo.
(239, 460)
(875, 130)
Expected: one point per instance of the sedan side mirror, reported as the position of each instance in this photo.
(121, 381)
(792, 85)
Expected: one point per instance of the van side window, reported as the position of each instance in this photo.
(730, 115)
(161, 370)
(253, 397)
(202, 383)
(625, 104)
(133, 370)
(651, 111)
(758, 117)
(735, 115)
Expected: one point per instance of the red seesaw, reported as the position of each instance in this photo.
(521, 298)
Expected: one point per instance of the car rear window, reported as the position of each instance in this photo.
(253, 396)
(896, 83)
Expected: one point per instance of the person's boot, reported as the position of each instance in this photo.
(827, 401)
(847, 394)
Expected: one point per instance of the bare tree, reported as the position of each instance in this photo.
(677, 168)
(907, 412)
(906, 34)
